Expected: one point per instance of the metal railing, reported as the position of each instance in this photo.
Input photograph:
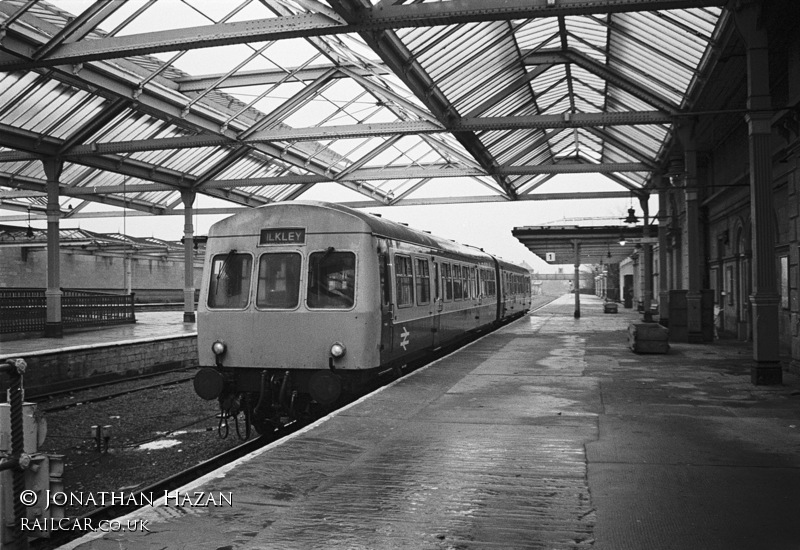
(25, 309)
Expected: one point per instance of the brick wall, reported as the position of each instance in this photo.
(85, 271)
(69, 369)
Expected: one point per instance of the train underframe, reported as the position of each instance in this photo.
(273, 397)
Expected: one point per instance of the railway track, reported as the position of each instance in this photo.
(42, 400)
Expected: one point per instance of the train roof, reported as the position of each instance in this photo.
(401, 232)
(387, 228)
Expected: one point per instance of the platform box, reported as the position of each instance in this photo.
(648, 338)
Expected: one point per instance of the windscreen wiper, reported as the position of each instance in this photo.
(223, 268)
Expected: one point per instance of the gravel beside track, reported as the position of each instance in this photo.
(155, 433)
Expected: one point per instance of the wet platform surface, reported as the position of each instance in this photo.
(150, 325)
(546, 434)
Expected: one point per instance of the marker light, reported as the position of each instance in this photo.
(218, 348)
(338, 350)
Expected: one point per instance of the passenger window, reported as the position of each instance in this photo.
(404, 277)
(457, 295)
(229, 287)
(423, 282)
(473, 288)
(278, 281)
(331, 280)
(436, 281)
(491, 283)
(447, 279)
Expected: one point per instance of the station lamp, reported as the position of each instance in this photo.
(631, 216)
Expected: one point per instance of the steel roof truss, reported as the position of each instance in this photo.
(79, 27)
(269, 76)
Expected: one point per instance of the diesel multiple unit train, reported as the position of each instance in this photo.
(304, 302)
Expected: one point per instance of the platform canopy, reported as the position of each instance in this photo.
(257, 101)
(596, 245)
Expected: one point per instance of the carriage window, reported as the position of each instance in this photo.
(489, 282)
(229, 287)
(404, 280)
(456, 282)
(331, 280)
(447, 280)
(423, 282)
(473, 288)
(278, 281)
(436, 282)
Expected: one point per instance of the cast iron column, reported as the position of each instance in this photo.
(647, 258)
(53, 327)
(765, 298)
(694, 264)
(188, 257)
(663, 267)
(577, 245)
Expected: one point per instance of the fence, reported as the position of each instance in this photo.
(25, 309)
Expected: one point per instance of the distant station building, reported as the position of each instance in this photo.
(151, 268)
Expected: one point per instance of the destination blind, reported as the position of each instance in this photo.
(293, 235)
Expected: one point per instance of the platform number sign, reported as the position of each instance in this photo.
(550, 256)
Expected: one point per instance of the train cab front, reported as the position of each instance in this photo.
(271, 397)
(283, 325)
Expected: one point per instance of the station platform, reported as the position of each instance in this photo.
(549, 433)
(157, 341)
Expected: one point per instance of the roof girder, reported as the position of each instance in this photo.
(361, 20)
(270, 76)
(285, 134)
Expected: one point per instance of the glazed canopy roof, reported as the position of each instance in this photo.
(397, 102)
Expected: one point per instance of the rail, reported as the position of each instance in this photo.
(25, 309)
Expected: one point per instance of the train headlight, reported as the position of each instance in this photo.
(218, 348)
(338, 350)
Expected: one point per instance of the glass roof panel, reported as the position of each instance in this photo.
(463, 67)
(534, 34)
